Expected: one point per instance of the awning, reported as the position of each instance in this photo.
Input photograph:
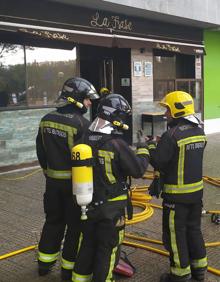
(107, 39)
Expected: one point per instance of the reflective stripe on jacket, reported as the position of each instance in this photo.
(58, 132)
(179, 156)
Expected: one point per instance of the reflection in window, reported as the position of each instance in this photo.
(47, 69)
(176, 72)
(31, 76)
(194, 87)
(164, 74)
(12, 75)
(162, 87)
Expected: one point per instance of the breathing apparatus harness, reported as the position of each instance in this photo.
(118, 190)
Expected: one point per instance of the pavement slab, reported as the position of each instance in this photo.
(22, 218)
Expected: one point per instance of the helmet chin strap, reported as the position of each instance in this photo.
(73, 101)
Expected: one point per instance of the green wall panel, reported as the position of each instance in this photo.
(212, 75)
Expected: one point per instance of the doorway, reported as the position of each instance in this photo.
(111, 68)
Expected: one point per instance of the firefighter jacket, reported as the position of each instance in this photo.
(58, 131)
(179, 158)
(114, 162)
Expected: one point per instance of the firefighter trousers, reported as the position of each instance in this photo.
(101, 236)
(182, 237)
(62, 219)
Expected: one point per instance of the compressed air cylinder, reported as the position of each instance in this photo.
(82, 176)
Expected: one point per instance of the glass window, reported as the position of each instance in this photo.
(162, 87)
(177, 72)
(47, 70)
(195, 88)
(164, 73)
(33, 76)
(12, 75)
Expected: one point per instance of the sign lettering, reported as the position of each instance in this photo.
(168, 47)
(47, 34)
(112, 22)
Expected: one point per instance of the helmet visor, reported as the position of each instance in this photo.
(102, 126)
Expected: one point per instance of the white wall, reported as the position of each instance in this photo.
(199, 10)
(142, 89)
(212, 125)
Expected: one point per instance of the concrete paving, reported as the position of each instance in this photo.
(22, 217)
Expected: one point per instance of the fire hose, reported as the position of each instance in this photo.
(140, 200)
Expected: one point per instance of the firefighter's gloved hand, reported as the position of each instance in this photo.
(153, 140)
(156, 186)
(141, 139)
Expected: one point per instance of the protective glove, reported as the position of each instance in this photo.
(141, 139)
(156, 186)
(152, 142)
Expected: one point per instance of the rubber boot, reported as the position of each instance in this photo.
(44, 268)
(167, 277)
(66, 274)
(198, 274)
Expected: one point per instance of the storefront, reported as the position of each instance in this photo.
(138, 58)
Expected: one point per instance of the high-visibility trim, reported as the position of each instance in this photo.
(182, 143)
(47, 257)
(177, 269)
(180, 173)
(142, 151)
(199, 263)
(111, 265)
(180, 271)
(173, 238)
(59, 174)
(71, 131)
(121, 236)
(108, 156)
(81, 278)
(80, 242)
(151, 146)
(66, 264)
(185, 188)
(119, 198)
(192, 139)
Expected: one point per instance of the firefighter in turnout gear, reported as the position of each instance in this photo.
(179, 158)
(114, 162)
(58, 131)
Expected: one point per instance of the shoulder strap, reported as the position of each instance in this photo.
(79, 117)
(172, 131)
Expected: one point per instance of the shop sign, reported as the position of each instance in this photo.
(199, 51)
(111, 22)
(198, 67)
(168, 47)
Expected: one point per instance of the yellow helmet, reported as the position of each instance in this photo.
(180, 104)
(104, 91)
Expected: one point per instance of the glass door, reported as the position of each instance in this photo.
(107, 73)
